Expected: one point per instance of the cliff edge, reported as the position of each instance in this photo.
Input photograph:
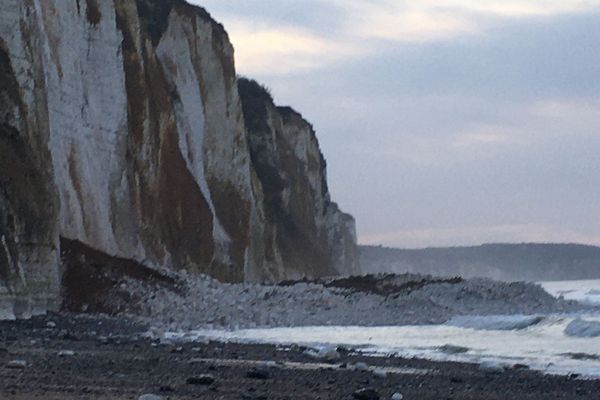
(304, 232)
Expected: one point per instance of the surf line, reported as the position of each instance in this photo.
(306, 366)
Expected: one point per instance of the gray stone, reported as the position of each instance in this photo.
(17, 364)
(270, 364)
(379, 373)
(366, 394)
(205, 379)
(327, 353)
(361, 366)
(258, 373)
(149, 397)
(491, 367)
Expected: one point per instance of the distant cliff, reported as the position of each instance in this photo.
(508, 262)
(122, 132)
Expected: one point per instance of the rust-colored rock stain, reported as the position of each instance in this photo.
(175, 216)
(93, 13)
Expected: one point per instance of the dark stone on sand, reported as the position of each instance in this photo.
(258, 373)
(69, 336)
(200, 380)
(366, 394)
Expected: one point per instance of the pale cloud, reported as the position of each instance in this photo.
(475, 235)
(543, 120)
(437, 152)
(575, 113)
(435, 20)
(518, 8)
(509, 8)
(476, 143)
(412, 25)
(519, 126)
(282, 50)
(479, 138)
(268, 43)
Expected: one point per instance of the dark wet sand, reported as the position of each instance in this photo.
(125, 366)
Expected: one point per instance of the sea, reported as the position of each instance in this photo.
(564, 344)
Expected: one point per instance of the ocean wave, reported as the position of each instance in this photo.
(496, 322)
(583, 328)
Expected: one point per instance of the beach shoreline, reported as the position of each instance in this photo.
(74, 357)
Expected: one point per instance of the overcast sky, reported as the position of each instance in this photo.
(443, 122)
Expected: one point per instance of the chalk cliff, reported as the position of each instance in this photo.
(122, 131)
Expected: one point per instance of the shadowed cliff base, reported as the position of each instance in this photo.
(94, 282)
(28, 201)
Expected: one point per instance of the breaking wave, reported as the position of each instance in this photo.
(496, 322)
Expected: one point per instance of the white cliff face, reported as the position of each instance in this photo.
(175, 56)
(198, 61)
(126, 195)
(126, 117)
(87, 104)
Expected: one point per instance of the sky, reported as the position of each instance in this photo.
(443, 122)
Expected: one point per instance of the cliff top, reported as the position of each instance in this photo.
(156, 14)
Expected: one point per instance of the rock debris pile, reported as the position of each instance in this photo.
(368, 301)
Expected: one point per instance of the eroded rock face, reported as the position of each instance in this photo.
(121, 128)
(305, 234)
(29, 274)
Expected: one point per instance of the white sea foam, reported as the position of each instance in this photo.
(543, 346)
(587, 291)
(556, 342)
